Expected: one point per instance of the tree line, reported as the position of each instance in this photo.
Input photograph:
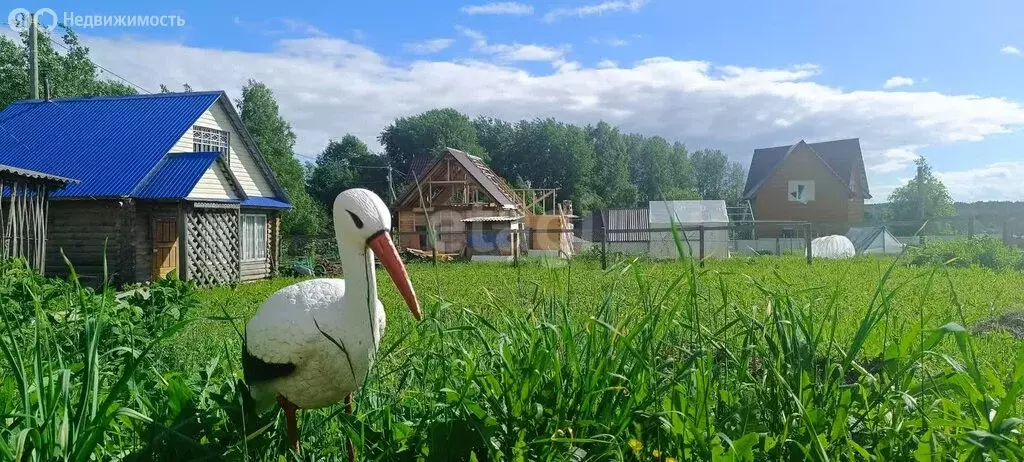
(596, 166)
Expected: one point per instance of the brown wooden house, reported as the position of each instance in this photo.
(822, 183)
(454, 192)
(166, 183)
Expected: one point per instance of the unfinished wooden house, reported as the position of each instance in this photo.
(453, 188)
(167, 183)
(459, 206)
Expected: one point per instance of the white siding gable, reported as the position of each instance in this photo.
(214, 184)
(242, 162)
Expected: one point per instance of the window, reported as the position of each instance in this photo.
(254, 237)
(801, 191)
(211, 140)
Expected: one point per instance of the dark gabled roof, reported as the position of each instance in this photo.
(418, 166)
(839, 156)
(481, 173)
(110, 144)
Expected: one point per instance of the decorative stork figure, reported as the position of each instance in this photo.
(312, 344)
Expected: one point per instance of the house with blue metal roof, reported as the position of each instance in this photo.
(165, 183)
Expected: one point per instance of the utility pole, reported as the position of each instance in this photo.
(33, 56)
(391, 184)
(920, 192)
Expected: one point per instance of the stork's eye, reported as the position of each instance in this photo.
(356, 220)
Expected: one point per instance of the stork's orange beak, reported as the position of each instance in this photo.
(385, 250)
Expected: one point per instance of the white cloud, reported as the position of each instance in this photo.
(607, 64)
(1000, 180)
(890, 160)
(1010, 50)
(562, 65)
(359, 35)
(610, 41)
(898, 81)
(303, 27)
(596, 9)
(282, 26)
(429, 46)
(499, 8)
(327, 87)
(515, 51)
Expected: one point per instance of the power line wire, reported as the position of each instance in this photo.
(94, 63)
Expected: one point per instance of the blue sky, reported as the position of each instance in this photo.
(812, 69)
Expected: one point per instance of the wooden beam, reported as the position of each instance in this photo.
(182, 242)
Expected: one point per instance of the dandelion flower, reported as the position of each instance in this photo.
(656, 453)
(635, 444)
(670, 459)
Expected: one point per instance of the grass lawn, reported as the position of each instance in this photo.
(642, 361)
(482, 287)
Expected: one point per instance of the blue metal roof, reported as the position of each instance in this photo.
(176, 175)
(108, 144)
(265, 202)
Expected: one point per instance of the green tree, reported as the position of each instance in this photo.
(552, 154)
(347, 164)
(276, 141)
(681, 171)
(715, 177)
(659, 170)
(497, 138)
(922, 198)
(70, 73)
(427, 134)
(735, 174)
(611, 180)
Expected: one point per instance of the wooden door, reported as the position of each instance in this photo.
(165, 246)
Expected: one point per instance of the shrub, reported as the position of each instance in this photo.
(163, 303)
(985, 251)
(79, 370)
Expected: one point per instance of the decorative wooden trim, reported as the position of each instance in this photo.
(238, 239)
(213, 246)
(215, 205)
(182, 241)
(275, 243)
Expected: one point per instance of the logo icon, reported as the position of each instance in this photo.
(18, 19)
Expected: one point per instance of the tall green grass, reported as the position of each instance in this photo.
(641, 362)
(525, 379)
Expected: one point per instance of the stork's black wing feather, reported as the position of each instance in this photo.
(257, 370)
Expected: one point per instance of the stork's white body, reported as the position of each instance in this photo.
(312, 344)
(287, 329)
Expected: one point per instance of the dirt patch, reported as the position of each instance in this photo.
(1011, 322)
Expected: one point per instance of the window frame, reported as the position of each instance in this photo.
(809, 190)
(248, 241)
(207, 143)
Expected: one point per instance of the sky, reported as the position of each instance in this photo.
(938, 79)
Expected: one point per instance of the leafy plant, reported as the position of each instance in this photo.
(983, 251)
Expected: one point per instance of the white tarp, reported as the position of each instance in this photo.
(689, 214)
(834, 246)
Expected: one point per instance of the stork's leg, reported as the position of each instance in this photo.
(289, 414)
(351, 447)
